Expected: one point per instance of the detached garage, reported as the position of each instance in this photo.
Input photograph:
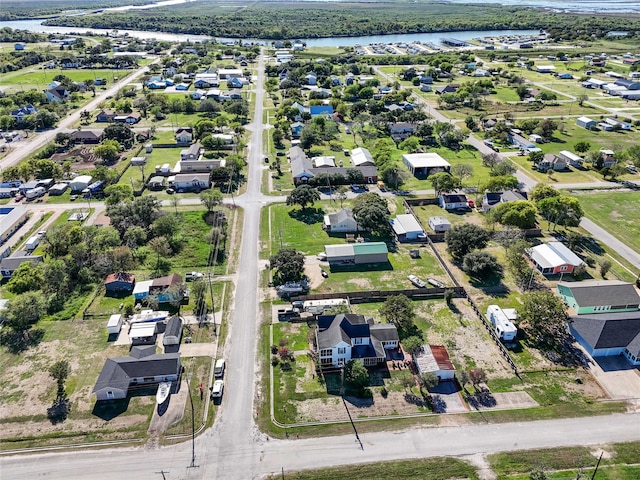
(173, 332)
(359, 253)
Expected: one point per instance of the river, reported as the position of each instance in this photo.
(36, 26)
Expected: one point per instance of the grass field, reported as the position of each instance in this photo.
(415, 469)
(46, 76)
(617, 212)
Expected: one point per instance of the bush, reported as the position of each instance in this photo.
(590, 261)
(274, 349)
(366, 393)
(481, 265)
(285, 366)
(384, 392)
(283, 342)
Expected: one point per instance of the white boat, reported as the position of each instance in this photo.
(163, 392)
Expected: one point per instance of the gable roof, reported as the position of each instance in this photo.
(454, 197)
(334, 329)
(12, 263)
(117, 372)
(591, 293)
(341, 216)
(174, 327)
(360, 156)
(405, 223)
(120, 277)
(609, 330)
(512, 196)
(553, 254)
(167, 281)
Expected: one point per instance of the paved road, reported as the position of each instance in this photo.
(612, 242)
(257, 457)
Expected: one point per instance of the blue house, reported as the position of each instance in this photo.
(235, 83)
(296, 129)
(586, 122)
(182, 86)
(565, 76)
(165, 289)
(201, 83)
(519, 141)
(316, 110)
(168, 82)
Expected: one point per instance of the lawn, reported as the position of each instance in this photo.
(296, 335)
(44, 77)
(438, 468)
(617, 212)
(573, 175)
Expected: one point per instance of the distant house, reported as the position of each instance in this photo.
(194, 152)
(515, 138)
(545, 68)
(553, 257)
(21, 113)
(340, 222)
(449, 88)
(119, 283)
(105, 115)
(182, 86)
(401, 130)
(302, 169)
(552, 162)
(453, 201)
(361, 157)
(191, 181)
(142, 367)
(357, 254)
(565, 76)
(173, 332)
(57, 95)
(344, 337)
(168, 288)
(8, 265)
(86, 136)
(439, 224)
(609, 334)
(228, 73)
(407, 228)
(434, 359)
(80, 183)
(424, 164)
(129, 118)
(571, 158)
(296, 129)
(597, 296)
(586, 122)
(184, 135)
(316, 110)
(628, 84)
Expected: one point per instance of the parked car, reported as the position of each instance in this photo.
(191, 276)
(322, 256)
(280, 154)
(19, 197)
(218, 387)
(170, 191)
(324, 273)
(416, 281)
(73, 198)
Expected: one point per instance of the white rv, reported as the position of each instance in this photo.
(504, 328)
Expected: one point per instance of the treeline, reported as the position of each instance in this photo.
(9, 35)
(27, 9)
(292, 20)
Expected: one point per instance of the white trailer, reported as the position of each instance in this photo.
(114, 324)
(33, 243)
(35, 193)
(504, 328)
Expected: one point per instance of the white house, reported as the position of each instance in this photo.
(348, 336)
(453, 201)
(190, 181)
(407, 228)
(434, 359)
(80, 183)
(439, 224)
(340, 222)
(571, 158)
(362, 157)
(425, 164)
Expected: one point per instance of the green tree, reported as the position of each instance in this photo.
(399, 310)
(444, 182)
(303, 195)
(356, 373)
(428, 380)
(521, 213)
(542, 190)
(412, 344)
(501, 183)
(288, 264)
(371, 212)
(517, 265)
(118, 193)
(562, 210)
(60, 371)
(463, 238)
(462, 171)
(605, 266)
(481, 265)
(160, 246)
(582, 147)
(109, 151)
(543, 316)
(26, 278)
(211, 199)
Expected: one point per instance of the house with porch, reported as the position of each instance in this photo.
(344, 337)
(105, 115)
(143, 367)
(340, 222)
(190, 181)
(453, 201)
(184, 135)
(553, 258)
(597, 296)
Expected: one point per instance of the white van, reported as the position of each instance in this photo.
(218, 371)
(216, 391)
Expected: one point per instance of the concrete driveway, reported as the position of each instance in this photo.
(620, 379)
(447, 399)
(170, 411)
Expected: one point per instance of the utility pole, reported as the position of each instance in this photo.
(193, 426)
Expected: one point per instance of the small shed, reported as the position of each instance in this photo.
(114, 324)
(148, 148)
(58, 189)
(439, 224)
(407, 228)
(586, 122)
(173, 332)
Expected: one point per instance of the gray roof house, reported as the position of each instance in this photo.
(173, 332)
(142, 367)
(340, 222)
(609, 334)
(302, 169)
(343, 337)
(8, 265)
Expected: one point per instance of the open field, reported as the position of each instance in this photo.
(615, 211)
(46, 76)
